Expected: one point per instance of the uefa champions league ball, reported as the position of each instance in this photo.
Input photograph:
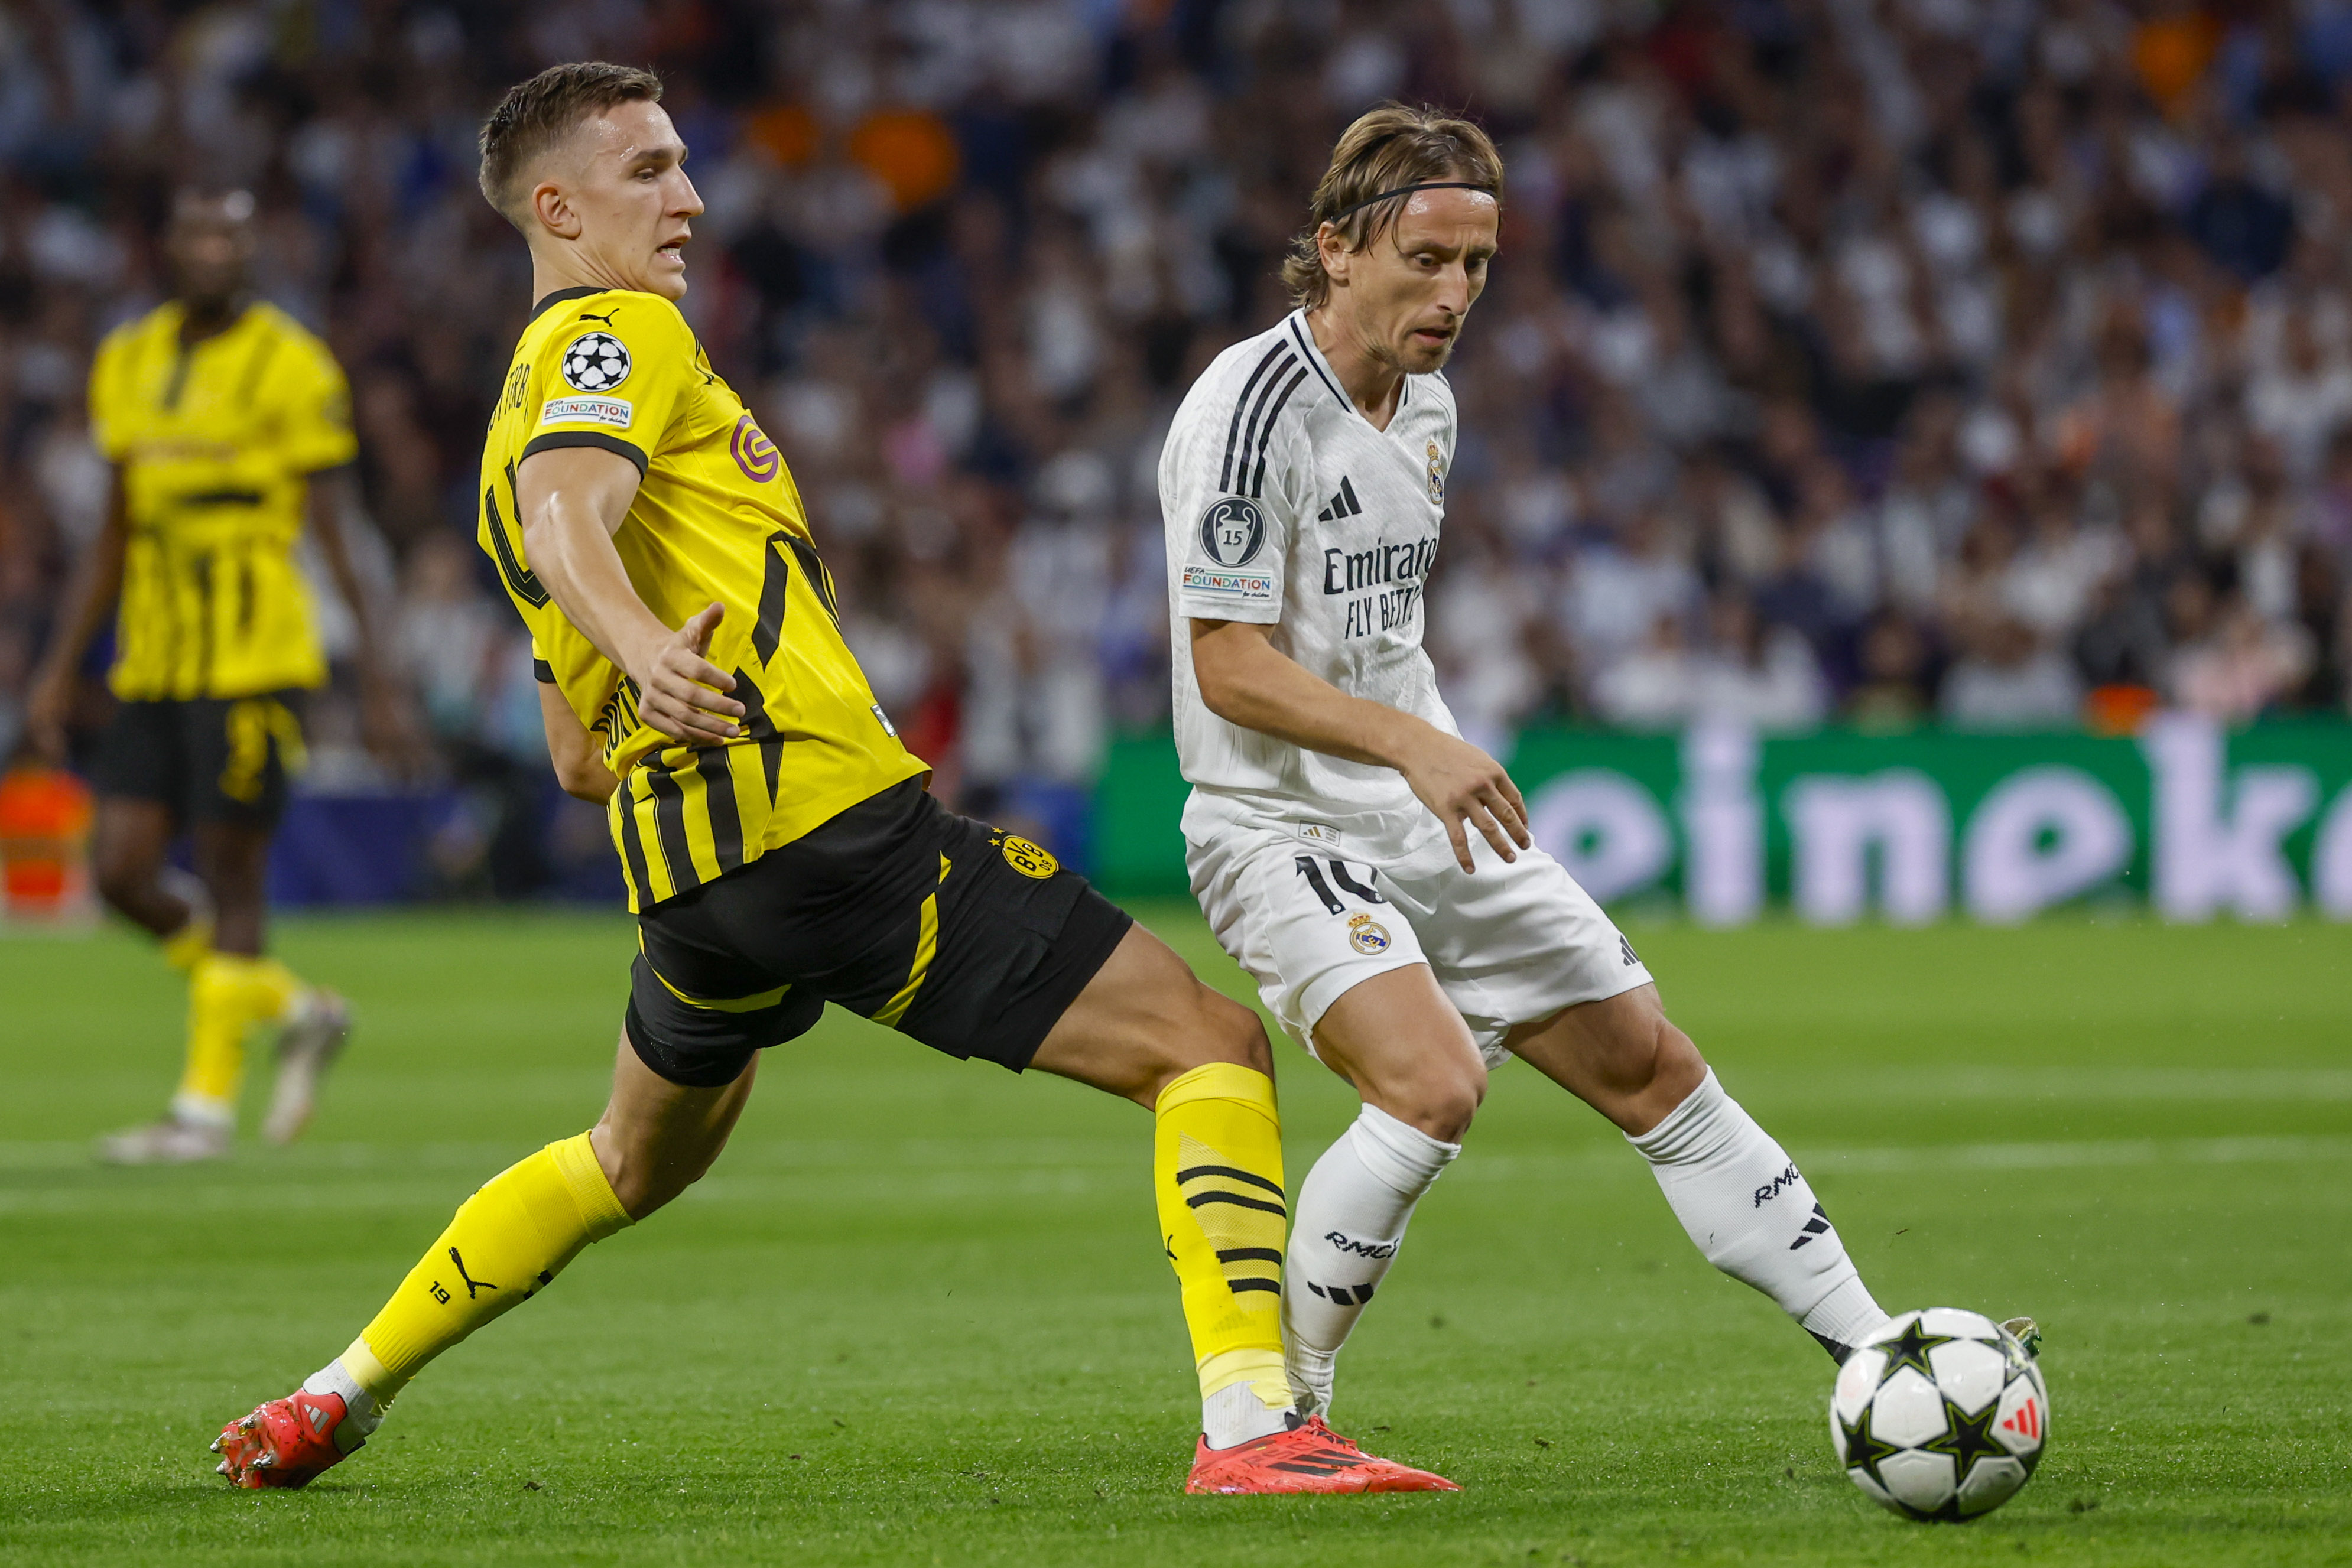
(1939, 1415)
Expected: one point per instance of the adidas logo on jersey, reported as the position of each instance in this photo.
(1343, 505)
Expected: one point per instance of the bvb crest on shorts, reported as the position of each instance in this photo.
(1367, 936)
(1028, 858)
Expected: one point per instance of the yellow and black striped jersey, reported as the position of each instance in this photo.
(215, 442)
(716, 518)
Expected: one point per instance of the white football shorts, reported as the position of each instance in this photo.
(1311, 915)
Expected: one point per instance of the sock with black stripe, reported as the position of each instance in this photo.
(1217, 1173)
(1352, 1212)
(1745, 1205)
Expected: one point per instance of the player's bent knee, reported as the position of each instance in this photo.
(1233, 1032)
(1442, 1104)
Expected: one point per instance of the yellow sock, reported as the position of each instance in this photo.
(509, 1239)
(185, 947)
(1216, 1169)
(228, 995)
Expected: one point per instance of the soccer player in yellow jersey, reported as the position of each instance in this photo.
(227, 426)
(780, 848)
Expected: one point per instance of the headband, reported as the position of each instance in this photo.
(1408, 189)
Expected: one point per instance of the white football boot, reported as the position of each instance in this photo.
(170, 1141)
(308, 1041)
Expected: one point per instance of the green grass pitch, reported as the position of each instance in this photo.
(919, 1313)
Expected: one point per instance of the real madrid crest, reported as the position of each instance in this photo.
(1436, 474)
(1367, 936)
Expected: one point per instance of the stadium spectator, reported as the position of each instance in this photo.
(2020, 335)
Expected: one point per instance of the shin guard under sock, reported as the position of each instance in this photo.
(1216, 1171)
(1350, 1220)
(508, 1241)
(1747, 1207)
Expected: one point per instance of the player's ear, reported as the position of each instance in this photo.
(1333, 244)
(553, 209)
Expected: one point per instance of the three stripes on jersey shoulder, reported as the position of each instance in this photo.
(1278, 376)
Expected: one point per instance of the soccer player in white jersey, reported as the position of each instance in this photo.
(1303, 487)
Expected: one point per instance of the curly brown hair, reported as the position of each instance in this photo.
(535, 115)
(1389, 149)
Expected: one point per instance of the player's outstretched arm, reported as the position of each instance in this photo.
(572, 500)
(89, 597)
(1246, 680)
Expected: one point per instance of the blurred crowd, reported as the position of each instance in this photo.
(1981, 361)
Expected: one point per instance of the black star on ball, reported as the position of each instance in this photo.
(1967, 1438)
(1910, 1348)
(1863, 1451)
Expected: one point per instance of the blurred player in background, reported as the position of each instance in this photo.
(227, 426)
(780, 847)
(1302, 487)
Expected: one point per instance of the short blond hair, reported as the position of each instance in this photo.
(1387, 150)
(536, 115)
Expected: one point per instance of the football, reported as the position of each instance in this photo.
(1939, 1415)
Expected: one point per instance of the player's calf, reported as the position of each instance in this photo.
(1621, 1056)
(657, 1137)
(1738, 1195)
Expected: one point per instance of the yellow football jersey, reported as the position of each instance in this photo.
(216, 443)
(716, 518)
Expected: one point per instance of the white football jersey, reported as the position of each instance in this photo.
(1284, 506)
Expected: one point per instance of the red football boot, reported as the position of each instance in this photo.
(284, 1443)
(1310, 1458)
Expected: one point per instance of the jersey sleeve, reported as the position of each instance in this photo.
(1230, 483)
(315, 408)
(612, 377)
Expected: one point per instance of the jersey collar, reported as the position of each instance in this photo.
(561, 295)
(1303, 336)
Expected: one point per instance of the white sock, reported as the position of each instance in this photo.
(1345, 1228)
(1755, 1217)
(203, 1110)
(1235, 1414)
(361, 1415)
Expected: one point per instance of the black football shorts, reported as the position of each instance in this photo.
(210, 760)
(971, 940)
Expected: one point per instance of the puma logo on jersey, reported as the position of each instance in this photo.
(1343, 505)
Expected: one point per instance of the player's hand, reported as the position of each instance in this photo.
(1461, 783)
(47, 708)
(680, 689)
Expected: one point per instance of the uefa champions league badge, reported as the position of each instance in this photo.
(597, 363)
(1436, 474)
(1367, 936)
